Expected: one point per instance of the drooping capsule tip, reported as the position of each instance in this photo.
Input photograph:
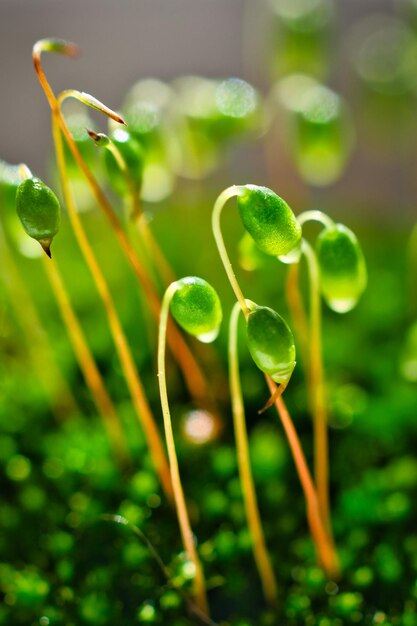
(61, 46)
(46, 246)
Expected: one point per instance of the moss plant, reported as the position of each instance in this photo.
(196, 307)
(134, 384)
(85, 358)
(189, 366)
(279, 214)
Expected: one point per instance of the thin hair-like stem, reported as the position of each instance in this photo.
(192, 607)
(154, 252)
(317, 388)
(323, 541)
(181, 507)
(140, 402)
(260, 551)
(191, 371)
(298, 314)
(87, 364)
(315, 216)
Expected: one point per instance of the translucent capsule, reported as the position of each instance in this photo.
(271, 343)
(343, 275)
(268, 219)
(39, 211)
(323, 136)
(196, 307)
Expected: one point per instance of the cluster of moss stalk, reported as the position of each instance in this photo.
(336, 272)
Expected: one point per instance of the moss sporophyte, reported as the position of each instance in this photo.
(196, 307)
(271, 222)
(336, 269)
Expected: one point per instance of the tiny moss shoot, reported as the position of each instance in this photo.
(196, 307)
(260, 551)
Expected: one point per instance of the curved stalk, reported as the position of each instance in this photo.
(317, 387)
(137, 393)
(262, 559)
(228, 193)
(181, 507)
(87, 364)
(315, 216)
(193, 376)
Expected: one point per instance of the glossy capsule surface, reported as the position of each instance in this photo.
(271, 343)
(196, 307)
(268, 219)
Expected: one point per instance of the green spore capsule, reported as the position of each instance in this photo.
(39, 211)
(271, 343)
(132, 155)
(268, 219)
(196, 307)
(342, 268)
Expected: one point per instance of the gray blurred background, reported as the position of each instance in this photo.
(125, 40)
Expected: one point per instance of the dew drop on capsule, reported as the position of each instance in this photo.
(343, 275)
